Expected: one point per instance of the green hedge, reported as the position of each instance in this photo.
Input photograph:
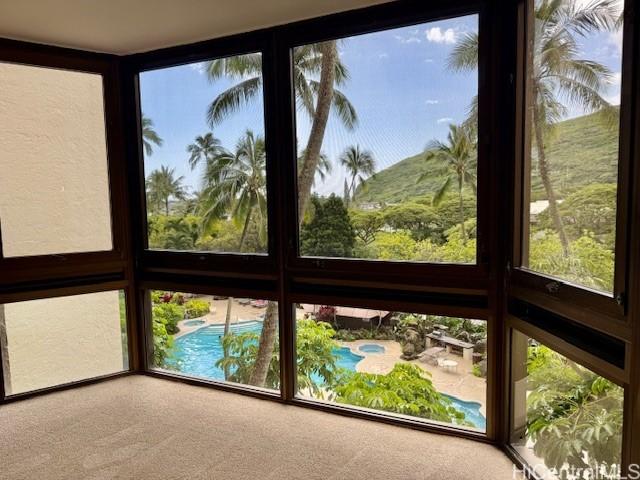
(196, 308)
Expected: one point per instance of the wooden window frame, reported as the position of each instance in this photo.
(47, 276)
(596, 309)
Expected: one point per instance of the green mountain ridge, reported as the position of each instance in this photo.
(580, 151)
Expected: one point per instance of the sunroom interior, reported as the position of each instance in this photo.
(299, 239)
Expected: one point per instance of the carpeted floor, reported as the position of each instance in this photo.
(139, 427)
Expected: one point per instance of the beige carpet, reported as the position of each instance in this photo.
(144, 428)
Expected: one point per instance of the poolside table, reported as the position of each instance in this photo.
(449, 342)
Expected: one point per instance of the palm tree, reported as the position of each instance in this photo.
(149, 135)
(235, 182)
(557, 73)
(358, 164)
(316, 97)
(162, 185)
(459, 159)
(203, 148)
(325, 166)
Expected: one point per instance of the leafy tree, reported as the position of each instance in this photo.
(591, 209)
(162, 186)
(458, 156)
(359, 164)
(557, 72)
(571, 412)
(395, 246)
(173, 232)
(366, 224)
(422, 221)
(316, 361)
(590, 264)
(329, 233)
(149, 135)
(406, 389)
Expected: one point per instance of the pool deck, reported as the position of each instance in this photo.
(218, 313)
(461, 384)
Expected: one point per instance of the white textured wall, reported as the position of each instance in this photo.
(59, 340)
(54, 194)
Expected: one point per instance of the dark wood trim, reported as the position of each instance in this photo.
(63, 387)
(79, 286)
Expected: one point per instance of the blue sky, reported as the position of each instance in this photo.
(399, 84)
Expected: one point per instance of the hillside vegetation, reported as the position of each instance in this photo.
(581, 151)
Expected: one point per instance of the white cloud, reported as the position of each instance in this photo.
(444, 120)
(432, 102)
(409, 39)
(428, 60)
(199, 67)
(383, 55)
(615, 40)
(437, 35)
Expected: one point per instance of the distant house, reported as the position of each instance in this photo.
(351, 317)
(537, 207)
(370, 206)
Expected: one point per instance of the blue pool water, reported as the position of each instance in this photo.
(471, 411)
(192, 323)
(197, 352)
(371, 348)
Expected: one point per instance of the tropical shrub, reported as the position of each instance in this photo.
(168, 314)
(196, 308)
(406, 389)
(574, 417)
(162, 343)
(316, 367)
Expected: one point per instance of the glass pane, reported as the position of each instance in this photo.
(216, 338)
(54, 187)
(574, 110)
(204, 156)
(54, 341)
(387, 159)
(567, 419)
(422, 366)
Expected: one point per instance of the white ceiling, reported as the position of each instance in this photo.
(129, 26)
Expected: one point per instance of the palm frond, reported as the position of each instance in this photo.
(231, 99)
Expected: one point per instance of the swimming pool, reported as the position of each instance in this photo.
(196, 353)
(371, 348)
(192, 323)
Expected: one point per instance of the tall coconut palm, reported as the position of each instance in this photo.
(325, 167)
(162, 185)
(459, 159)
(236, 183)
(316, 97)
(359, 165)
(202, 149)
(557, 74)
(149, 135)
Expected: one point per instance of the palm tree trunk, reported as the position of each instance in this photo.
(543, 171)
(318, 125)
(463, 231)
(244, 230)
(166, 205)
(265, 346)
(227, 320)
(227, 328)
